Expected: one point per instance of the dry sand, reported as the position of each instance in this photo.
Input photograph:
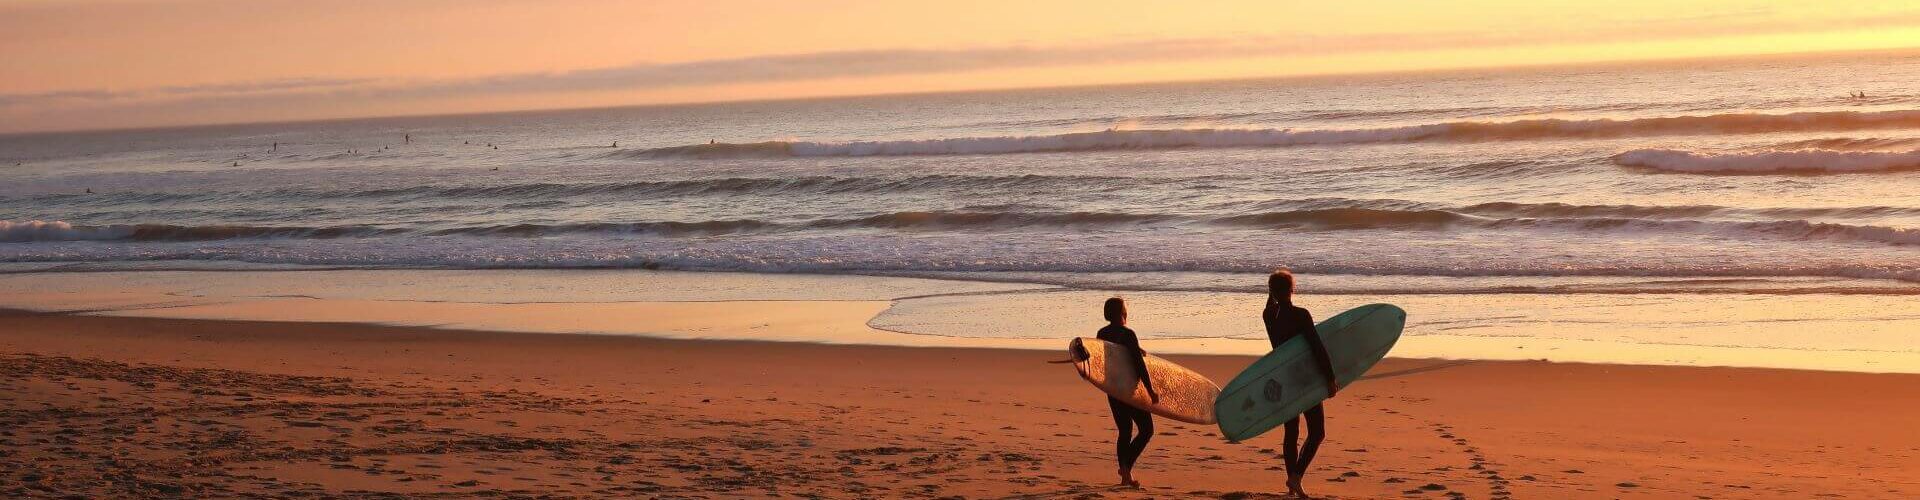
(117, 407)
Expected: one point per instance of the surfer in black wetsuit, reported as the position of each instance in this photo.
(1126, 417)
(1285, 321)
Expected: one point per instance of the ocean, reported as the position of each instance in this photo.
(1751, 175)
(1721, 179)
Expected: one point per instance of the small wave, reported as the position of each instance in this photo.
(1850, 144)
(1564, 217)
(769, 149)
(1556, 210)
(1112, 140)
(1479, 111)
(1800, 229)
(1784, 229)
(1352, 218)
(818, 256)
(29, 231)
(1577, 218)
(1804, 162)
(1565, 210)
(1548, 216)
(668, 228)
(1487, 216)
(1200, 120)
(549, 191)
(989, 219)
(43, 231)
(739, 185)
(32, 231)
(1559, 210)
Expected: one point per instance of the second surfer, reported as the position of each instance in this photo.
(1284, 322)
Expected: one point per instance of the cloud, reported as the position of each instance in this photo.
(184, 91)
(893, 62)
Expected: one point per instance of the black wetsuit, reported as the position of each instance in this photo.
(1125, 417)
(1284, 322)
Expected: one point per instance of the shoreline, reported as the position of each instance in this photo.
(1861, 333)
(148, 406)
(373, 332)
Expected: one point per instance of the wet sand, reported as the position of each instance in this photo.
(116, 406)
(1870, 333)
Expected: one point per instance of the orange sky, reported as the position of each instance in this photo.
(83, 64)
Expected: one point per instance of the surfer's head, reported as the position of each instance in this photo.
(1280, 285)
(1115, 311)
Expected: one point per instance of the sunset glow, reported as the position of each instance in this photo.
(120, 63)
(824, 249)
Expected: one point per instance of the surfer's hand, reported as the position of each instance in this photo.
(1332, 389)
(1154, 397)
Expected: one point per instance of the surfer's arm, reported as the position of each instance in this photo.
(1319, 349)
(1140, 367)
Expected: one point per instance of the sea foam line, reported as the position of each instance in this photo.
(1315, 219)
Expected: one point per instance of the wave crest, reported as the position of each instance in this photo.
(1351, 218)
(29, 231)
(902, 220)
(1157, 139)
(1850, 144)
(1488, 216)
(1805, 162)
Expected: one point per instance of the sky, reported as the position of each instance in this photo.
(98, 64)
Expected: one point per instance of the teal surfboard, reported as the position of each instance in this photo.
(1286, 382)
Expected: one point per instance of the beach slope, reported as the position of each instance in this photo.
(117, 407)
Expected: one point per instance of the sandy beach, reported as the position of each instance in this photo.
(115, 406)
(723, 250)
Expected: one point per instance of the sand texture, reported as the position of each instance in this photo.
(129, 407)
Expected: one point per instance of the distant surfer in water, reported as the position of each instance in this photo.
(1285, 321)
(1126, 417)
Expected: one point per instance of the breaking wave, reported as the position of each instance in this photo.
(1493, 216)
(1117, 139)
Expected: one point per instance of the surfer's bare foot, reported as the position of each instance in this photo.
(1126, 479)
(1294, 489)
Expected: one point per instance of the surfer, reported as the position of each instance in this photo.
(1284, 321)
(1126, 417)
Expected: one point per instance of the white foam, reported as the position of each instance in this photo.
(36, 230)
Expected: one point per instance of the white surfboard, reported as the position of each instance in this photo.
(1185, 395)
